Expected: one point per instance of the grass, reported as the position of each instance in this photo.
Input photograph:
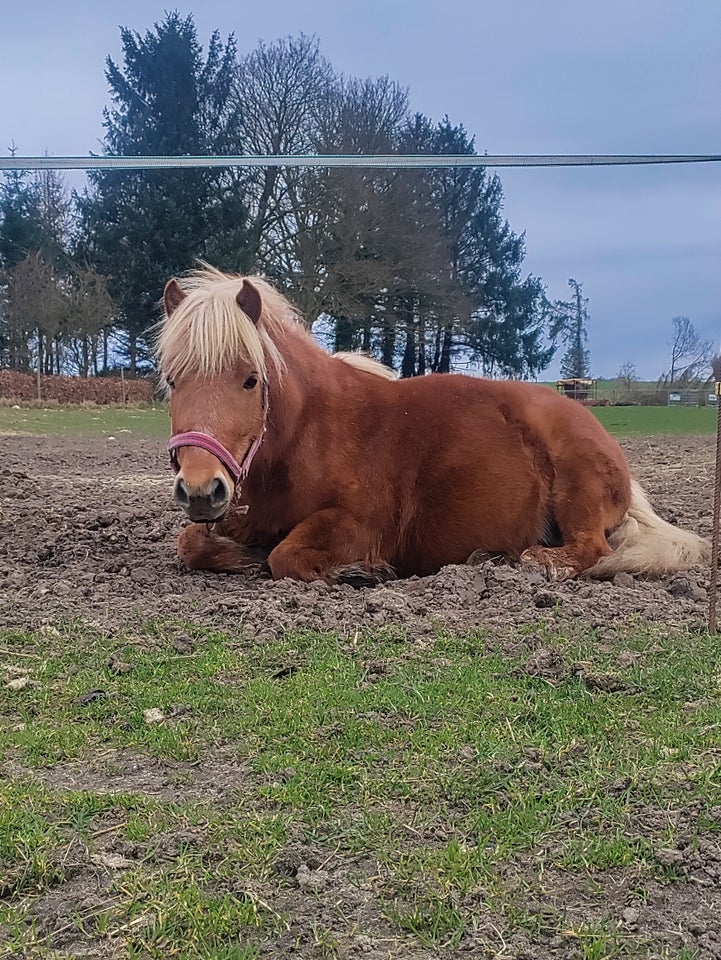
(152, 421)
(442, 785)
(138, 420)
(649, 421)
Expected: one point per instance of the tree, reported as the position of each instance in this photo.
(418, 267)
(20, 218)
(625, 383)
(690, 355)
(36, 310)
(91, 312)
(375, 255)
(487, 312)
(279, 94)
(140, 227)
(570, 319)
(33, 232)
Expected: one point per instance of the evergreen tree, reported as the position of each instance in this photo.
(140, 227)
(570, 319)
(490, 314)
(20, 218)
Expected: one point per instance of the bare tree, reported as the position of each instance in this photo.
(626, 381)
(36, 311)
(91, 313)
(279, 93)
(690, 355)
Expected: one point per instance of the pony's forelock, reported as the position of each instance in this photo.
(208, 332)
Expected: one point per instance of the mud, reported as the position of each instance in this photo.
(87, 525)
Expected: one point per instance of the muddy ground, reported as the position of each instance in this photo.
(87, 529)
(87, 525)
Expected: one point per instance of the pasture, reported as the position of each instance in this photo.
(152, 421)
(479, 763)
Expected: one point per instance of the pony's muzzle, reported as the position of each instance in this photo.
(202, 504)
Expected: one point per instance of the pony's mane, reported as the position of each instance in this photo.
(208, 332)
(362, 362)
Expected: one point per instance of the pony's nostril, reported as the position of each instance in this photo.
(219, 492)
(180, 492)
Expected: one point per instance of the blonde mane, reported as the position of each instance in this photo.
(208, 332)
(362, 362)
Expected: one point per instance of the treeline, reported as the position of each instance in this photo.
(417, 267)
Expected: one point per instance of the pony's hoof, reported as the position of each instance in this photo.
(537, 558)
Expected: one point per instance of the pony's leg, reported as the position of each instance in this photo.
(202, 549)
(329, 545)
(586, 504)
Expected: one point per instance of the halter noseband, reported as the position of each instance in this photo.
(238, 471)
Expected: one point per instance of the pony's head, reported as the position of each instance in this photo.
(215, 348)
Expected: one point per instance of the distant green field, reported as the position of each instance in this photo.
(606, 388)
(153, 421)
(145, 421)
(647, 421)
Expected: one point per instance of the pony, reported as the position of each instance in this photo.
(326, 467)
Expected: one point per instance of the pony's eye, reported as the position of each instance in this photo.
(170, 382)
(250, 383)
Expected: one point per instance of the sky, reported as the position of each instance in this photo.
(522, 76)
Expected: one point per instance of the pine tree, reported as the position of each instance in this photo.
(141, 227)
(20, 218)
(488, 312)
(570, 319)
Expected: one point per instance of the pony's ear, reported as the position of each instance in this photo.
(173, 296)
(249, 301)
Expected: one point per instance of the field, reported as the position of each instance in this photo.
(152, 421)
(475, 764)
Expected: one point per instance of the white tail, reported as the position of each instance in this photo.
(644, 543)
(362, 362)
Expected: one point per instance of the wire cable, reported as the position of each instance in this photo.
(379, 161)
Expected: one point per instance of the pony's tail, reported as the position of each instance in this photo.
(644, 543)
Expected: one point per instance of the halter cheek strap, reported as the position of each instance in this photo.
(238, 471)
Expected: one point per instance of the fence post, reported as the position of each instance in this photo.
(40, 365)
(713, 583)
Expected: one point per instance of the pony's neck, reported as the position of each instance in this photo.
(308, 371)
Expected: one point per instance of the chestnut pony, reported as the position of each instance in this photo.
(326, 469)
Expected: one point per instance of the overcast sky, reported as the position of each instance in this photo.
(523, 76)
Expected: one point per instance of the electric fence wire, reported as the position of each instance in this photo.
(379, 161)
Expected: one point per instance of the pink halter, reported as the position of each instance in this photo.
(238, 471)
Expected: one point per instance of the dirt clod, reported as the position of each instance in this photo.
(547, 664)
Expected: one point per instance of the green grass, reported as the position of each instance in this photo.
(444, 782)
(139, 421)
(154, 422)
(649, 421)
(609, 388)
